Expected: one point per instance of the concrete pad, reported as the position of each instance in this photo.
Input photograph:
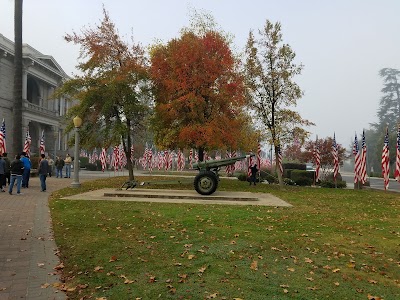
(182, 196)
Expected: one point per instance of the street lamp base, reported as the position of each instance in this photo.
(75, 184)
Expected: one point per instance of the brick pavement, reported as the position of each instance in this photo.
(27, 248)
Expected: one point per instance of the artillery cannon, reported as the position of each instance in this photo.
(206, 182)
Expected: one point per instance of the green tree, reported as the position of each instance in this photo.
(113, 92)
(17, 113)
(388, 116)
(270, 72)
(199, 93)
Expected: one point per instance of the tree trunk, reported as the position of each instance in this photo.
(127, 149)
(17, 108)
(280, 176)
(201, 154)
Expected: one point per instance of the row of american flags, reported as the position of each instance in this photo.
(167, 160)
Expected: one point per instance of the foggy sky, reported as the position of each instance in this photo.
(342, 44)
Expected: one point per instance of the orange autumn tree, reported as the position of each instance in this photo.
(199, 94)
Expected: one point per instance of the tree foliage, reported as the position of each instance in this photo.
(388, 116)
(113, 92)
(325, 150)
(270, 72)
(199, 94)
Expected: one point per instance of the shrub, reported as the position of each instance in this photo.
(289, 181)
(304, 181)
(91, 167)
(330, 177)
(297, 174)
(294, 166)
(241, 176)
(83, 161)
(331, 184)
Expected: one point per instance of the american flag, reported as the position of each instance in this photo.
(280, 158)
(397, 171)
(27, 144)
(335, 158)
(357, 160)
(249, 164)
(42, 147)
(363, 171)
(259, 157)
(385, 160)
(181, 161)
(191, 158)
(103, 156)
(167, 165)
(3, 147)
(317, 158)
(115, 158)
(229, 169)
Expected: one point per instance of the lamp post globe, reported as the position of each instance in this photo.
(77, 123)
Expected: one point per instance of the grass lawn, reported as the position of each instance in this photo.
(337, 244)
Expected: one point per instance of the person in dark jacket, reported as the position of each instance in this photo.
(43, 171)
(8, 166)
(17, 168)
(2, 173)
(253, 170)
(59, 163)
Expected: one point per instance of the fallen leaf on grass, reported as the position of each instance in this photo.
(202, 269)
(285, 291)
(191, 256)
(335, 270)
(113, 258)
(312, 288)
(372, 281)
(212, 296)
(254, 265)
(290, 269)
(310, 278)
(370, 297)
(336, 283)
(98, 269)
(308, 260)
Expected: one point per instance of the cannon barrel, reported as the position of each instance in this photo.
(213, 164)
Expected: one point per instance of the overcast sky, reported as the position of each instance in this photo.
(342, 43)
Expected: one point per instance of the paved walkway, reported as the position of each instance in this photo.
(27, 249)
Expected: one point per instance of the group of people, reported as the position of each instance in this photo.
(18, 171)
(60, 163)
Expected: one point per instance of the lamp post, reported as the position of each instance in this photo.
(77, 124)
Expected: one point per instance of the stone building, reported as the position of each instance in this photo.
(41, 76)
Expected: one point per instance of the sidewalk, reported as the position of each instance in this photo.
(27, 248)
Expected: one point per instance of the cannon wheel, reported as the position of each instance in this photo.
(206, 182)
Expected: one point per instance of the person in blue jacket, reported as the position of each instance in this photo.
(27, 169)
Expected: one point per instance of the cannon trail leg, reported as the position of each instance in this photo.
(206, 182)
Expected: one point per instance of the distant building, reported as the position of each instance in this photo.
(41, 76)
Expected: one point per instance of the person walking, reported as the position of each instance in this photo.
(51, 165)
(8, 166)
(2, 173)
(27, 169)
(43, 171)
(254, 170)
(68, 163)
(17, 168)
(59, 166)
